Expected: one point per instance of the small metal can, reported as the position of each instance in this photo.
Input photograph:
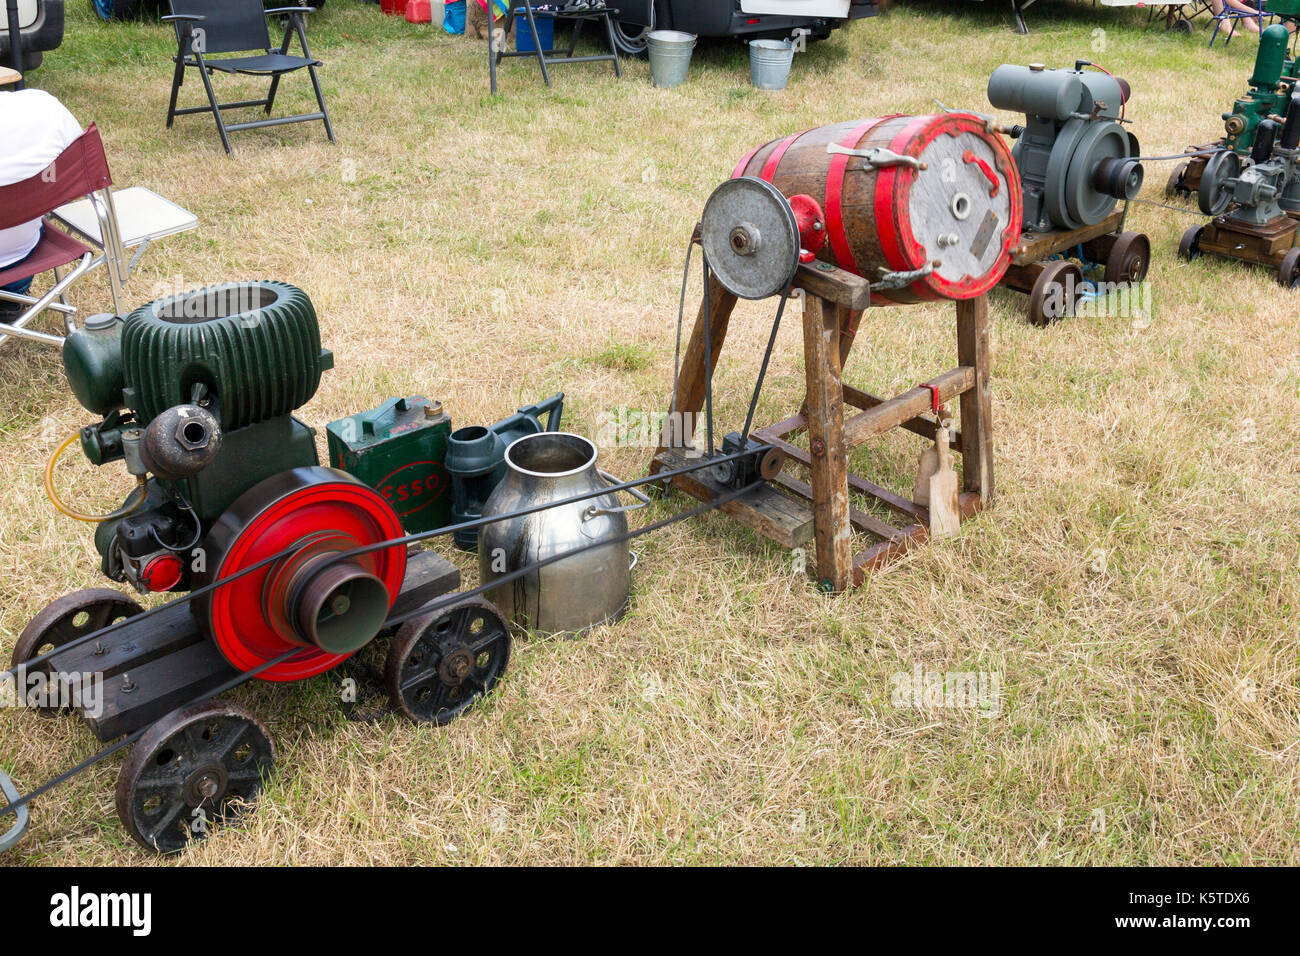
(399, 449)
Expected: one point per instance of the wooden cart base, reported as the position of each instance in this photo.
(1273, 244)
(1185, 181)
(794, 512)
(152, 667)
(1047, 266)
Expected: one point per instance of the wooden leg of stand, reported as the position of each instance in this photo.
(695, 373)
(829, 457)
(847, 321)
(976, 405)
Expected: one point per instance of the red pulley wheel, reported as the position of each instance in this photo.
(308, 599)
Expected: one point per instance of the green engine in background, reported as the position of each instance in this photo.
(1271, 84)
(399, 449)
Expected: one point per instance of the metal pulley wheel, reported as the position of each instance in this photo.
(750, 237)
(1072, 197)
(66, 619)
(310, 599)
(439, 664)
(200, 766)
(1214, 197)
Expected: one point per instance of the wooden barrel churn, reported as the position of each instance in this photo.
(942, 190)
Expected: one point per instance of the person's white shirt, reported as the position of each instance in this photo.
(34, 128)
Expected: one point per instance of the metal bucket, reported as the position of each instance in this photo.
(670, 56)
(769, 63)
(576, 593)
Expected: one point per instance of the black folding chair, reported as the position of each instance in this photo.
(239, 26)
(595, 11)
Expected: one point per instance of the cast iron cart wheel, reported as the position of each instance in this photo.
(199, 766)
(1183, 26)
(439, 664)
(1175, 188)
(66, 619)
(1055, 293)
(1288, 270)
(1189, 247)
(1129, 258)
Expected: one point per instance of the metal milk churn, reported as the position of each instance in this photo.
(575, 593)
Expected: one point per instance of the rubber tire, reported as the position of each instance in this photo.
(627, 46)
(1189, 247)
(1288, 270)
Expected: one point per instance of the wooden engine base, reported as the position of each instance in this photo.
(1045, 266)
(794, 512)
(1266, 245)
(153, 666)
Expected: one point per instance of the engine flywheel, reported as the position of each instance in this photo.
(309, 599)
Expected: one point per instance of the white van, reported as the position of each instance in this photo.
(748, 19)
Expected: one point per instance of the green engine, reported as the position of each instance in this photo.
(197, 392)
(1271, 85)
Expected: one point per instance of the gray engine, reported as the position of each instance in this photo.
(1075, 158)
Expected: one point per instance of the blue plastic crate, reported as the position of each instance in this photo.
(524, 38)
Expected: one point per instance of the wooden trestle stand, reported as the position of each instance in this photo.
(833, 301)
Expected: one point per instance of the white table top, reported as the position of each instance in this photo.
(142, 215)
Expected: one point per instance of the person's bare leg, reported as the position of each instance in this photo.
(1249, 23)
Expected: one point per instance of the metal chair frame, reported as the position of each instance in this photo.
(546, 58)
(188, 56)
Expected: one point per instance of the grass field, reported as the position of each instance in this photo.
(1134, 590)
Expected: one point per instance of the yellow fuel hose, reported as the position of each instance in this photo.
(138, 494)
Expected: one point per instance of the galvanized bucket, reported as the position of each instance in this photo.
(670, 56)
(769, 63)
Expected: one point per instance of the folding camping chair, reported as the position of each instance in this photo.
(239, 26)
(110, 222)
(1232, 17)
(545, 58)
(1179, 17)
(1284, 11)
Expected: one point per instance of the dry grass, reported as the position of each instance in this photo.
(488, 252)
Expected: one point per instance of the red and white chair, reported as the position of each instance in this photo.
(99, 227)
